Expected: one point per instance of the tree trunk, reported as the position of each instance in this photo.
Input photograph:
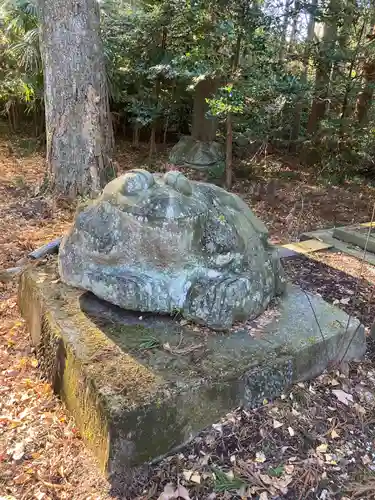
(345, 42)
(152, 150)
(323, 70)
(293, 34)
(78, 125)
(203, 128)
(229, 124)
(228, 155)
(345, 108)
(166, 124)
(136, 132)
(284, 30)
(299, 106)
(365, 97)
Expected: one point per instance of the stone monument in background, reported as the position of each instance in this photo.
(203, 159)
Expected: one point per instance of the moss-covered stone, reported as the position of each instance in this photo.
(133, 399)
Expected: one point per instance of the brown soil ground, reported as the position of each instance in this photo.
(315, 442)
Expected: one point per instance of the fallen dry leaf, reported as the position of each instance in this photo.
(182, 492)
(260, 457)
(345, 301)
(18, 451)
(342, 396)
(289, 468)
(322, 448)
(191, 475)
(218, 427)
(21, 479)
(334, 434)
(168, 493)
(277, 424)
(265, 479)
(230, 475)
(334, 382)
(359, 409)
(329, 459)
(366, 459)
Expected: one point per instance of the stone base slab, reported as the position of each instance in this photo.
(331, 237)
(140, 385)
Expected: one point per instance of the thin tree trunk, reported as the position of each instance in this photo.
(78, 125)
(156, 95)
(228, 152)
(152, 150)
(136, 135)
(229, 125)
(166, 125)
(165, 130)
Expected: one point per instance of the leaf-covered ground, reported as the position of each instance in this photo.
(317, 441)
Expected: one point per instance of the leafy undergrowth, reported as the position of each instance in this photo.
(315, 442)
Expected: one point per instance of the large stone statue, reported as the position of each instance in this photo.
(164, 244)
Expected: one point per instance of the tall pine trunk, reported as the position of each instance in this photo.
(299, 105)
(293, 33)
(324, 67)
(346, 108)
(284, 29)
(229, 124)
(228, 153)
(365, 96)
(78, 125)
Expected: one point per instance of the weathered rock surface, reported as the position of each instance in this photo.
(166, 244)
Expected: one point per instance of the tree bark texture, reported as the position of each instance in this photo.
(78, 122)
(228, 153)
(296, 127)
(284, 30)
(203, 128)
(365, 97)
(323, 69)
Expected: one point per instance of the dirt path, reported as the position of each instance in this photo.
(41, 454)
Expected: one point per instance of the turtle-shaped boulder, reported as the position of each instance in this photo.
(162, 243)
